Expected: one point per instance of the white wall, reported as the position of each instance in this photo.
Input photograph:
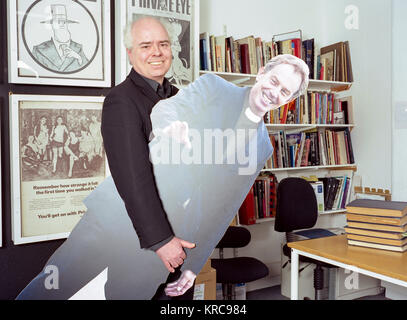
(371, 60)
(399, 100)
(370, 47)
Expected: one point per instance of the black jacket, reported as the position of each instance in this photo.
(126, 128)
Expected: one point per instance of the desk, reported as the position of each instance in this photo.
(384, 265)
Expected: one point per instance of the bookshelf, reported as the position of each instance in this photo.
(307, 136)
(352, 167)
(323, 86)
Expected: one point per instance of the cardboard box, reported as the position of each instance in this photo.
(205, 283)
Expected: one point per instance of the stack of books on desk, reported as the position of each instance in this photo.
(377, 224)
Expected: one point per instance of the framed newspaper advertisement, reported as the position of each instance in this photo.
(59, 42)
(57, 159)
(180, 18)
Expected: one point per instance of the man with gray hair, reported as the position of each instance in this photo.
(126, 130)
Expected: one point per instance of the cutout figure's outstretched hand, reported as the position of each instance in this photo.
(179, 131)
(179, 287)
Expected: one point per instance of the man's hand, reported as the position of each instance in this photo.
(172, 254)
(179, 287)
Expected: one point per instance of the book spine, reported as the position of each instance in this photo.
(334, 190)
(286, 160)
(260, 197)
(244, 51)
(265, 198)
(256, 200)
(213, 53)
(201, 52)
(247, 210)
(280, 153)
(273, 196)
(317, 157)
(351, 157)
(236, 54)
(345, 194)
(304, 162)
(374, 219)
(252, 56)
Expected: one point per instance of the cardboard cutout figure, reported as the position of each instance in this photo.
(202, 182)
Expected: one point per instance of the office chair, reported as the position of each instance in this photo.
(236, 270)
(296, 210)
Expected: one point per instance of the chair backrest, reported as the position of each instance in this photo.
(235, 237)
(296, 205)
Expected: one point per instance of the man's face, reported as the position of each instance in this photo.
(151, 54)
(274, 88)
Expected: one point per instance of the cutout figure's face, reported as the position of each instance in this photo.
(274, 88)
(151, 54)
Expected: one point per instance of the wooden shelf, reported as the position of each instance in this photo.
(304, 127)
(265, 220)
(341, 166)
(333, 212)
(242, 79)
(323, 85)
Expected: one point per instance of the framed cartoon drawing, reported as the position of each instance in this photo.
(57, 159)
(181, 19)
(59, 42)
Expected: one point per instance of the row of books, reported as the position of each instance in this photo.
(336, 192)
(225, 54)
(260, 202)
(332, 193)
(334, 63)
(313, 108)
(317, 147)
(249, 54)
(377, 224)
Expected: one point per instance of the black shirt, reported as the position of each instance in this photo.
(164, 90)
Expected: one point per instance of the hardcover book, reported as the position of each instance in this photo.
(378, 208)
(377, 227)
(394, 221)
(377, 246)
(391, 242)
(340, 63)
(375, 233)
(308, 47)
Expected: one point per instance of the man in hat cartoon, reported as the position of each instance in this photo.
(60, 54)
